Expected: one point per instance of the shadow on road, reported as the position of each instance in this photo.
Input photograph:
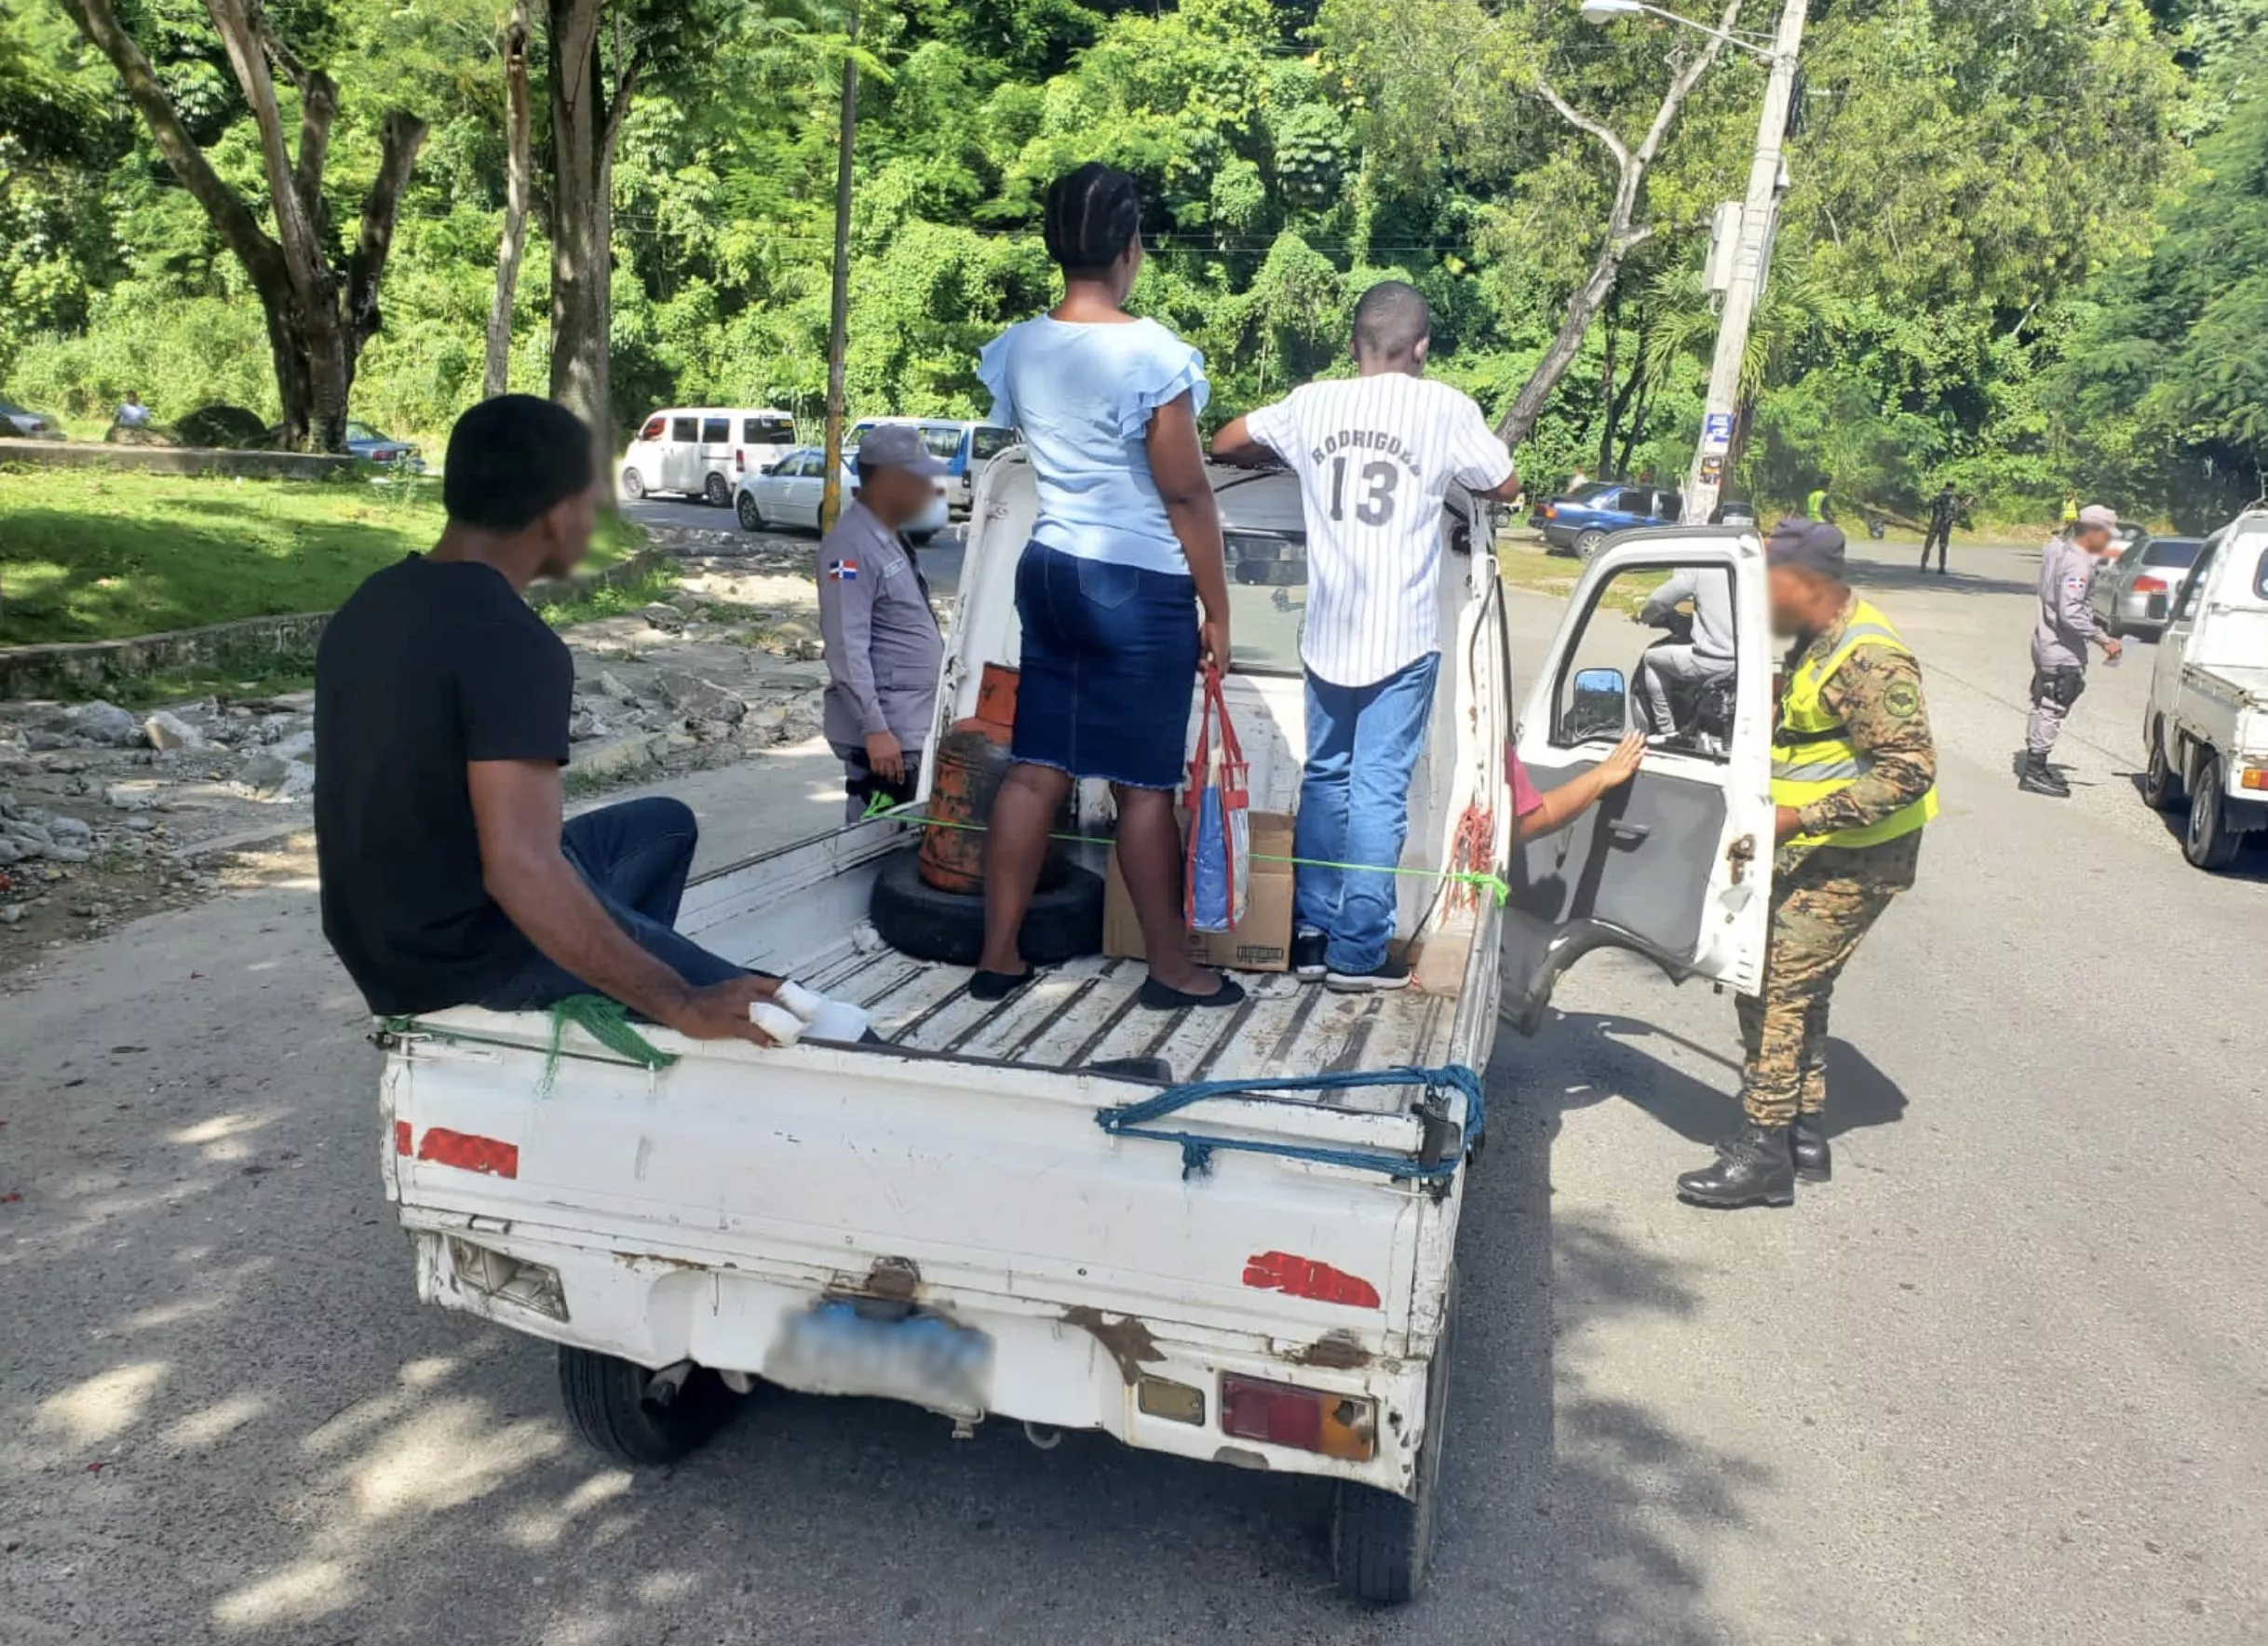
(1605, 1056)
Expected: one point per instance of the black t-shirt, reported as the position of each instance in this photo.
(428, 666)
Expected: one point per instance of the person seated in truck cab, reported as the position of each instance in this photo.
(441, 709)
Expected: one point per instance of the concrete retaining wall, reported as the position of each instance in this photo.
(46, 671)
(175, 460)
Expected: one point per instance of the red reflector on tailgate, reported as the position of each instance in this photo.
(1304, 1277)
(467, 1153)
(402, 1137)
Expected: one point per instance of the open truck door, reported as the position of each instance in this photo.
(1677, 863)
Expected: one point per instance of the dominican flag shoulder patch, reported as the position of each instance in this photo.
(843, 571)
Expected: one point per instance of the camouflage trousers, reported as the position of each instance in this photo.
(1824, 900)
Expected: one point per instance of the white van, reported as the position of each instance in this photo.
(703, 451)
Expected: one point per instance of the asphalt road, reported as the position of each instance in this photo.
(2002, 1381)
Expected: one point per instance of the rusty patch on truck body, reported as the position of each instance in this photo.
(1127, 1340)
(1335, 1351)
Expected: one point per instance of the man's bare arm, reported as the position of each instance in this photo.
(1233, 444)
(517, 808)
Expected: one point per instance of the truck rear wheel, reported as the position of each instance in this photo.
(634, 1415)
(1381, 1540)
(2209, 842)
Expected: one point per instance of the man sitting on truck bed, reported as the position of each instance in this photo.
(442, 707)
(1375, 455)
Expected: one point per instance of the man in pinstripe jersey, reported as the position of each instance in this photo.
(1375, 455)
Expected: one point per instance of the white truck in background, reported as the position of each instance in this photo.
(954, 1214)
(2204, 735)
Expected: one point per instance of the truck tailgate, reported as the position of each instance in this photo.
(823, 1167)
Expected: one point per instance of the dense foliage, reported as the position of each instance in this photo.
(2024, 246)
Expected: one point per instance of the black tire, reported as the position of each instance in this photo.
(915, 918)
(717, 492)
(1588, 544)
(633, 483)
(750, 510)
(609, 1403)
(1381, 1541)
(2208, 843)
(2161, 784)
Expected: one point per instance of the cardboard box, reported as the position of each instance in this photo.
(1260, 942)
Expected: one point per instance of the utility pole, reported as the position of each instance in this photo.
(1707, 481)
(838, 320)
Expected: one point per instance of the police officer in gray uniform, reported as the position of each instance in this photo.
(2060, 634)
(884, 650)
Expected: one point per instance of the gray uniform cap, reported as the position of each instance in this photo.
(896, 445)
(1807, 545)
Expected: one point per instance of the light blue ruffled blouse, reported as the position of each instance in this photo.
(1082, 394)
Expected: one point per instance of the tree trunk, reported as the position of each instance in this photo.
(1519, 423)
(1621, 239)
(1608, 405)
(520, 166)
(585, 125)
(838, 319)
(313, 335)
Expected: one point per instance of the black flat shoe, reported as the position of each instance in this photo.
(1159, 998)
(984, 984)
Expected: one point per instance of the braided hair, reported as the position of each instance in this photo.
(1091, 214)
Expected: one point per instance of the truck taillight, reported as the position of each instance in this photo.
(1306, 1419)
(2150, 586)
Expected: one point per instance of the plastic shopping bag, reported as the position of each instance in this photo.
(1220, 820)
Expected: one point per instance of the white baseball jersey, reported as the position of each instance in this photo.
(1375, 457)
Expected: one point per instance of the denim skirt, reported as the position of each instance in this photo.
(1110, 667)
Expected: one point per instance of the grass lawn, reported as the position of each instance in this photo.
(88, 556)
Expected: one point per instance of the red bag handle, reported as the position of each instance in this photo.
(1232, 766)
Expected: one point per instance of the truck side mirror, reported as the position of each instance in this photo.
(1599, 708)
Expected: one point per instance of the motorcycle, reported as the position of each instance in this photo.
(1700, 711)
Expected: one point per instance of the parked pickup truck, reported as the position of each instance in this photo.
(938, 1215)
(2204, 735)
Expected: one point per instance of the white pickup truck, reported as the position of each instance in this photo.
(2204, 735)
(939, 1215)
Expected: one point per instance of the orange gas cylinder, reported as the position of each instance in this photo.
(970, 760)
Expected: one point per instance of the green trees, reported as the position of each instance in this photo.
(2021, 249)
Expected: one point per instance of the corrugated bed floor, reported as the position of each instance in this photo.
(1085, 1012)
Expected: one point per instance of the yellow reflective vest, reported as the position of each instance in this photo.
(1811, 752)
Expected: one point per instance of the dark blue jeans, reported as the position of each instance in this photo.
(1362, 746)
(634, 857)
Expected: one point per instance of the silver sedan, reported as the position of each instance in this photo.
(2136, 591)
(787, 496)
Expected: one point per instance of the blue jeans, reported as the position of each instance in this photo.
(634, 857)
(1362, 745)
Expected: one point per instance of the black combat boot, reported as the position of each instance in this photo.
(1757, 1167)
(1815, 1161)
(2036, 777)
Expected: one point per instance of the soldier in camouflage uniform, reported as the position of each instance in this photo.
(1853, 778)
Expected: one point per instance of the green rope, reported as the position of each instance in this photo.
(606, 1021)
(1495, 885)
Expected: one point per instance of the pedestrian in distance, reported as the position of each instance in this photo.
(440, 726)
(2065, 627)
(1942, 509)
(1815, 505)
(884, 650)
(1121, 592)
(133, 415)
(1854, 780)
(1375, 455)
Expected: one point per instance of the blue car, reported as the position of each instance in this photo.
(1584, 520)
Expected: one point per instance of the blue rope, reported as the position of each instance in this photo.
(1132, 1120)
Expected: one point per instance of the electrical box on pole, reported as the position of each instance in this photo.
(1724, 240)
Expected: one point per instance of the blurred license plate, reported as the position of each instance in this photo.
(835, 1350)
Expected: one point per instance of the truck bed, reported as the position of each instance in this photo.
(1085, 1012)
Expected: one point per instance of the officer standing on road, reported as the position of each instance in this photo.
(1853, 778)
(2059, 638)
(883, 645)
(1815, 504)
(1942, 509)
